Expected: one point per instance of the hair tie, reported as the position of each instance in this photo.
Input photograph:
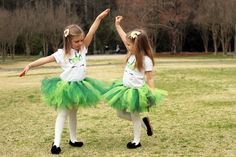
(134, 34)
(66, 32)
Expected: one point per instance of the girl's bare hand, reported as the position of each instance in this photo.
(24, 71)
(118, 19)
(104, 13)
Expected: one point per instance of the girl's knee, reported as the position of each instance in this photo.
(62, 113)
(119, 114)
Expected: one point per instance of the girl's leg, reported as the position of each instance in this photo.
(148, 126)
(59, 125)
(73, 124)
(137, 122)
(124, 115)
(127, 116)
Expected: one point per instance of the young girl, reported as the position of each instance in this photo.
(72, 89)
(133, 94)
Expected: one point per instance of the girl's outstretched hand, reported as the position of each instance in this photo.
(118, 19)
(24, 71)
(104, 13)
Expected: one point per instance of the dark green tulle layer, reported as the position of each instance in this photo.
(134, 99)
(63, 94)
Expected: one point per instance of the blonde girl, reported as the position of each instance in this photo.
(72, 89)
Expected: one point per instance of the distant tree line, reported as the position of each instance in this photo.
(32, 27)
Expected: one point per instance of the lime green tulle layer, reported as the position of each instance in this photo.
(134, 99)
(63, 94)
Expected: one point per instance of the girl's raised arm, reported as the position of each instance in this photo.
(37, 63)
(120, 30)
(88, 38)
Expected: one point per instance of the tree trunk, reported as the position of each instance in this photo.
(154, 43)
(235, 40)
(206, 48)
(45, 48)
(4, 52)
(13, 50)
(27, 47)
(214, 43)
(94, 44)
(45, 45)
(214, 37)
(222, 37)
(205, 37)
(173, 44)
(180, 43)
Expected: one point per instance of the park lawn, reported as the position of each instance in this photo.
(198, 117)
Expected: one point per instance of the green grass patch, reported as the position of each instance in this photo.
(197, 118)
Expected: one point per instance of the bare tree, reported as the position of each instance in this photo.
(217, 17)
(53, 20)
(29, 25)
(204, 32)
(159, 15)
(230, 19)
(10, 30)
(142, 14)
(60, 19)
(15, 30)
(44, 11)
(151, 20)
(203, 23)
(176, 14)
(226, 25)
(135, 13)
(213, 9)
(233, 10)
(4, 21)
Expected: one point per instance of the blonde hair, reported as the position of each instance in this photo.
(69, 32)
(141, 42)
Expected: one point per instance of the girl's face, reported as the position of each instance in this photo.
(130, 46)
(77, 42)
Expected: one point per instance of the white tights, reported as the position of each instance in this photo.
(62, 115)
(137, 122)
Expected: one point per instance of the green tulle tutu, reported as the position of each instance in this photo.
(134, 99)
(63, 94)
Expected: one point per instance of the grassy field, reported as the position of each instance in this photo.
(198, 118)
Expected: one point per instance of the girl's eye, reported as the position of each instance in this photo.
(79, 41)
